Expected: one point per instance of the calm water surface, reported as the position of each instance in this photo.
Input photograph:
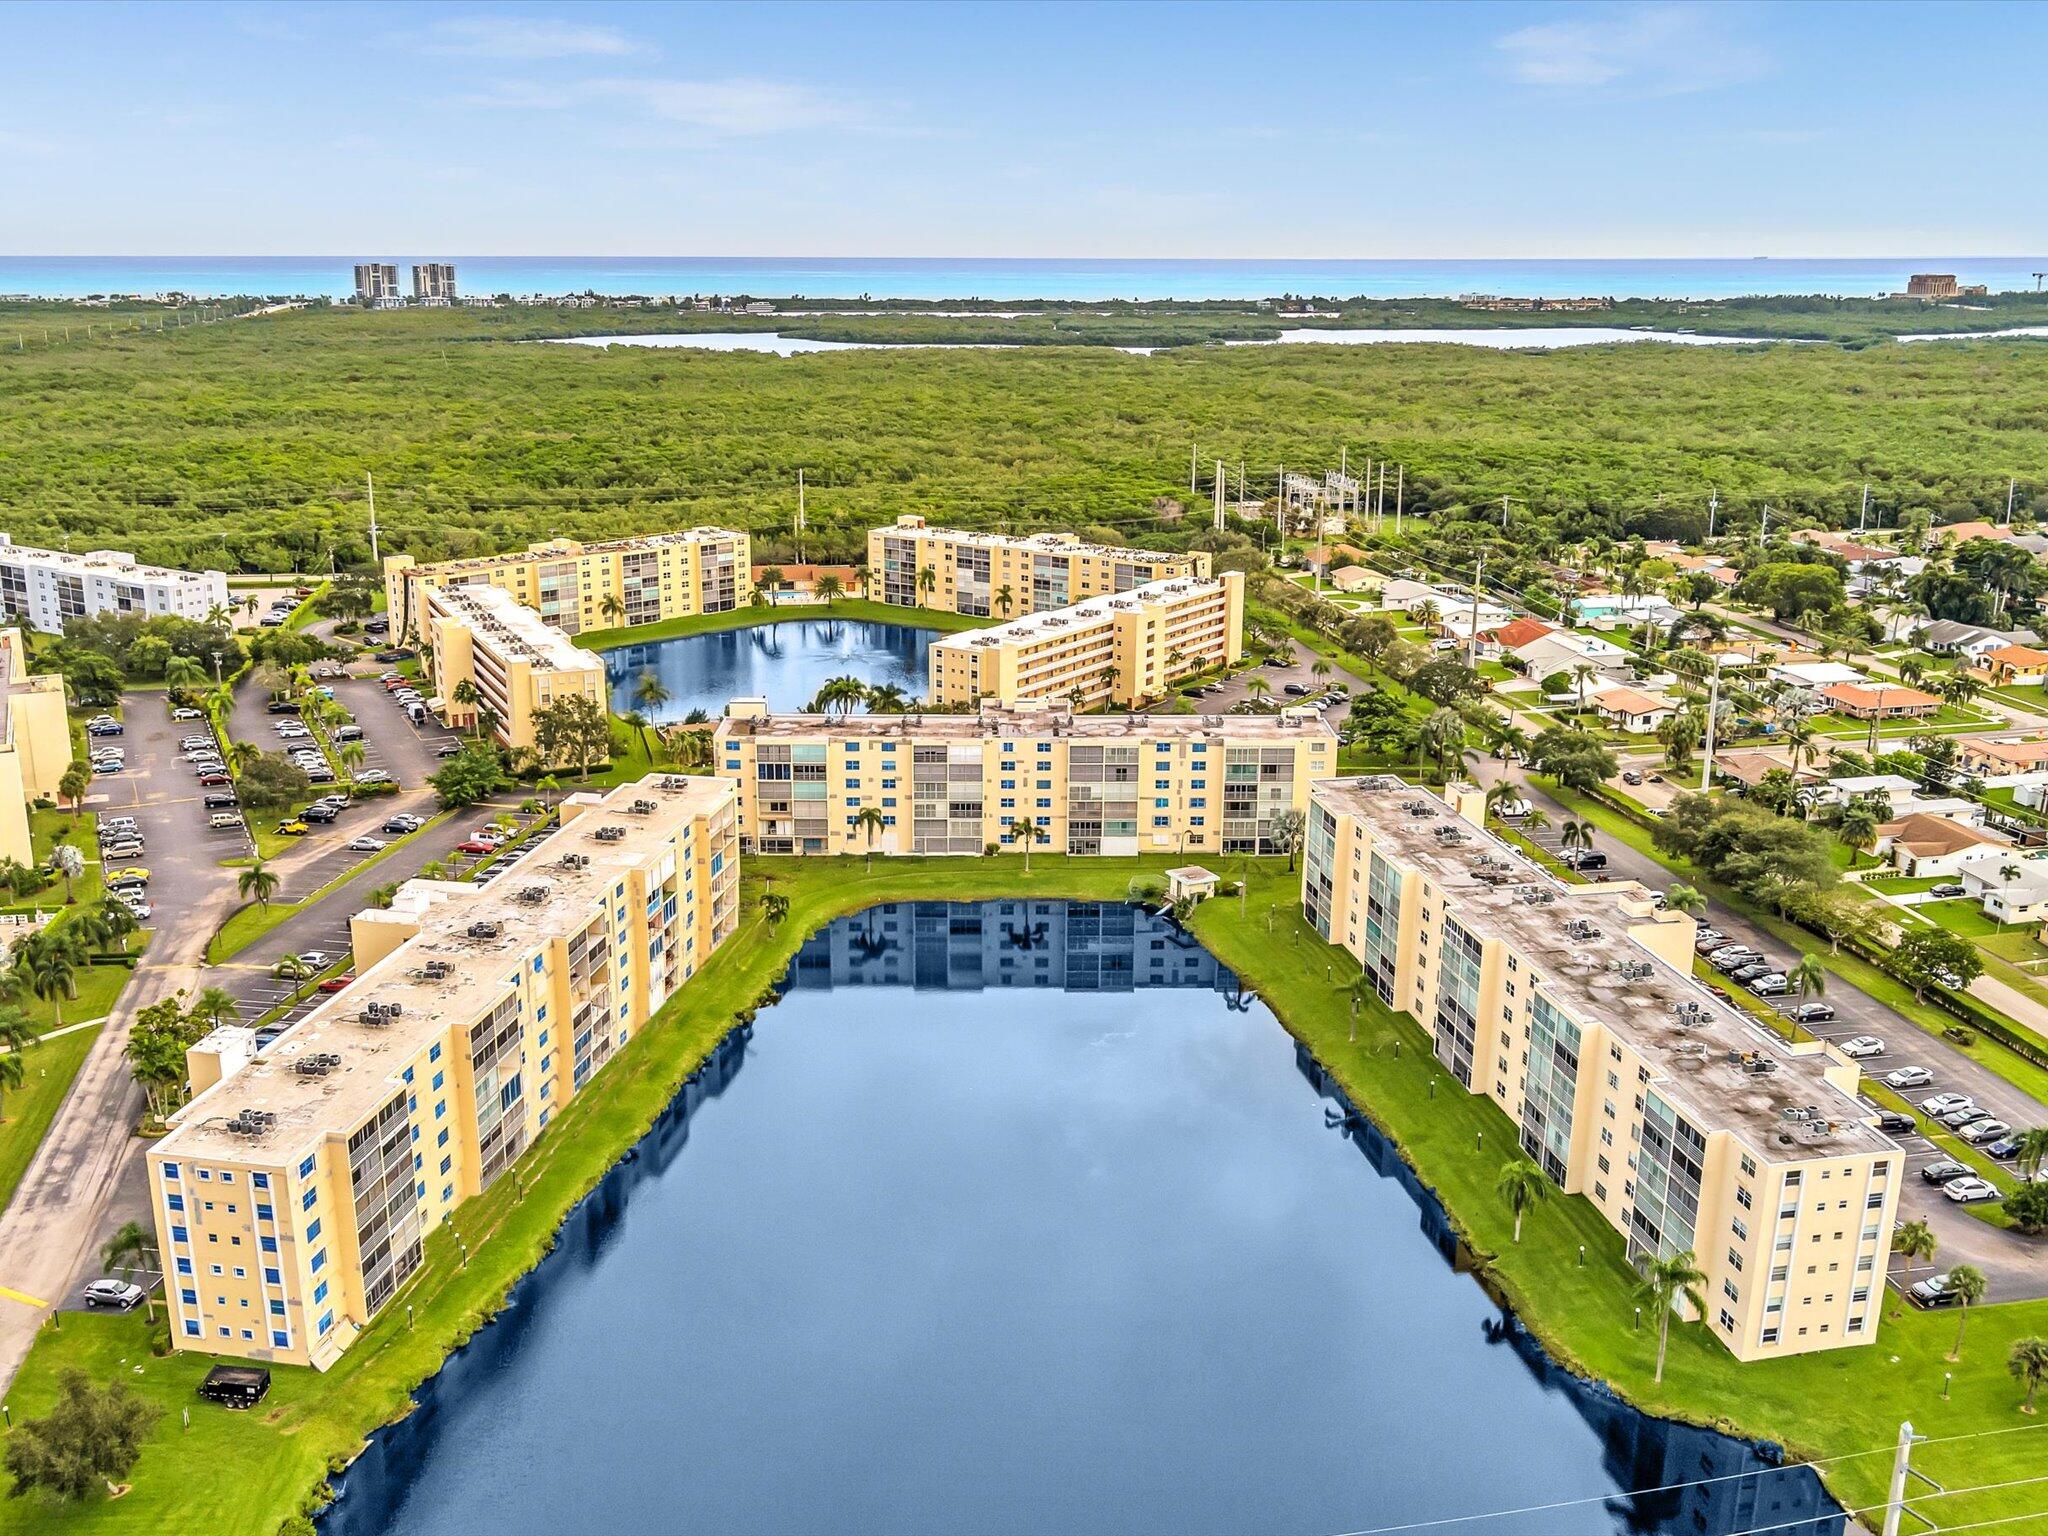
(1021, 1218)
(785, 663)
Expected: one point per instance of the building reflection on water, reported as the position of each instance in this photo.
(1073, 946)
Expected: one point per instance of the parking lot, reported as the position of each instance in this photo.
(2008, 1261)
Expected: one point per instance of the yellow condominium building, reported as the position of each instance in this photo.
(1091, 784)
(1108, 650)
(293, 1193)
(974, 572)
(518, 665)
(575, 587)
(1687, 1124)
(35, 743)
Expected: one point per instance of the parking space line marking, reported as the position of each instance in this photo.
(22, 1296)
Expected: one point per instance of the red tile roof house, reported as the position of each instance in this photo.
(1884, 702)
(2012, 664)
(1511, 636)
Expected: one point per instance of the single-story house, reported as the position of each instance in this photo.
(1611, 610)
(1962, 533)
(1813, 674)
(1564, 650)
(1354, 578)
(2020, 898)
(1747, 766)
(1990, 755)
(1516, 632)
(1191, 882)
(2011, 664)
(805, 578)
(1460, 622)
(1923, 846)
(1837, 791)
(1633, 711)
(1879, 701)
(1407, 596)
(1951, 637)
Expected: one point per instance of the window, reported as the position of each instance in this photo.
(313, 1232)
(174, 1202)
(170, 1170)
(319, 1261)
(306, 1169)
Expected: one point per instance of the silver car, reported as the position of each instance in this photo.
(121, 1294)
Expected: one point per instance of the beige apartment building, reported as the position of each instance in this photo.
(1687, 1124)
(35, 743)
(995, 575)
(1123, 650)
(294, 1192)
(1091, 784)
(516, 663)
(575, 587)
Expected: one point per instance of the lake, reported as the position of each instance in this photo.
(784, 662)
(1506, 337)
(919, 1254)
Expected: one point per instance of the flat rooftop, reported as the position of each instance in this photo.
(1037, 543)
(1090, 610)
(473, 967)
(499, 621)
(112, 563)
(996, 722)
(1576, 936)
(569, 549)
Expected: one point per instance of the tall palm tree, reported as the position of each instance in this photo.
(291, 968)
(650, 692)
(828, 587)
(774, 907)
(1809, 977)
(870, 821)
(1665, 1283)
(132, 1247)
(2033, 1151)
(465, 693)
(13, 1073)
(216, 1004)
(1575, 834)
(1005, 599)
(2028, 1363)
(610, 606)
(927, 581)
(46, 962)
(257, 883)
(1916, 1240)
(633, 720)
(2008, 873)
(1967, 1284)
(1582, 673)
(1506, 792)
(1521, 1184)
(1023, 829)
(887, 699)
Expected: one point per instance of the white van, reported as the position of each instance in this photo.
(222, 821)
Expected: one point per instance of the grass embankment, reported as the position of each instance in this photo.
(29, 1109)
(751, 617)
(249, 922)
(236, 1473)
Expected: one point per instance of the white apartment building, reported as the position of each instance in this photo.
(43, 588)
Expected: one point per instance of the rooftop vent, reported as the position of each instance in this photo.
(674, 781)
(1690, 1015)
(1581, 928)
(1755, 1062)
(486, 929)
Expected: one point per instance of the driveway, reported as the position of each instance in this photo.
(2014, 1265)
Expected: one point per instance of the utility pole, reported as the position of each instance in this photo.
(1503, 514)
(1400, 471)
(799, 516)
(1280, 512)
(1863, 517)
(1713, 709)
(1713, 505)
(1472, 629)
(1902, 1465)
(2011, 485)
(1220, 476)
(370, 483)
(1191, 467)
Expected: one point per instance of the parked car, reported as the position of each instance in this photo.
(1970, 1191)
(1583, 858)
(187, 712)
(216, 779)
(1934, 1291)
(136, 872)
(1745, 974)
(396, 653)
(1861, 1046)
(1896, 1123)
(293, 828)
(1811, 1013)
(2003, 1148)
(454, 749)
(1946, 1103)
(321, 814)
(123, 1294)
(223, 801)
(131, 849)
(1956, 1119)
(475, 846)
(1943, 1171)
(1631, 776)
(283, 707)
(1947, 889)
(405, 821)
(364, 845)
(140, 908)
(1772, 985)
(336, 983)
(372, 776)
(1978, 1132)
(1708, 942)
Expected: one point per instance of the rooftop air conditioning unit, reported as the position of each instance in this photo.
(641, 808)
(576, 861)
(486, 929)
(437, 970)
(533, 894)
(611, 834)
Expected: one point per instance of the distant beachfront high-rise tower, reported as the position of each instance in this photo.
(433, 282)
(377, 284)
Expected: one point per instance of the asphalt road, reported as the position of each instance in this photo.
(2012, 1264)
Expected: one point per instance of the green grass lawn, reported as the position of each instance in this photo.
(244, 1473)
(1959, 916)
(250, 921)
(1905, 885)
(748, 618)
(29, 1109)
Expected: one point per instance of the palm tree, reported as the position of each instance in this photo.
(633, 720)
(1916, 1240)
(1575, 834)
(434, 869)
(1808, 977)
(610, 606)
(2033, 1151)
(258, 883)
(650, 692)
(13, 1073)
(350, 754)
(241, 754)
(1582, 673)
(1521, 1184)
(46, 962)
(927, 580)
(2008, 873)
(1665, 1283)
(91, 930)
(1257, 689)
(70, 864)
(1966, 1283)
(828, 587)
(2028, 1363)
(74, 785)
(1023, 829)
(1686, 899)
(1506, 792)
(1005, 599)
(465, 693)
(215, 1004)
(132, 1247)
(291, 968)
(1320, 670)
(870, 821)
(774, 907)
(887, 699)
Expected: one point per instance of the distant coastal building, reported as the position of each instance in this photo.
(1513, 305)
(44, 588)
(1000, 575)
(433, 283)
(575, 586)
(377, 285)
(1941, 285)
(1120, 650)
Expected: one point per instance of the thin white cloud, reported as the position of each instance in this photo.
(1657, 50)
(519, 37)
(740, 107)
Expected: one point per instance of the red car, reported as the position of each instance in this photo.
(336, 983)
(214, 780)
(476, 845)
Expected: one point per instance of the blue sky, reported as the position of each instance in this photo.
(966, 130)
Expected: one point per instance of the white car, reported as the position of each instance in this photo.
(187, 712)
(1908, 1077)
(315, 959)
(141, 909)
(1861, 1046)
(1970, 1191)
(364, 845)
(1945, 1103)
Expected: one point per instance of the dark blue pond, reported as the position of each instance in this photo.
(1023, 1218)
(784, 663)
